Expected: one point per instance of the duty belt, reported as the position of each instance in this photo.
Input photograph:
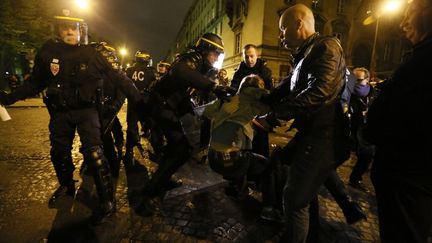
(227, 157)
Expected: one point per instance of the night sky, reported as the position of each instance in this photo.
(150, 25)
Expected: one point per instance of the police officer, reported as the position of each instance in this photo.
(143, 75)
(162, 69)
(171, 101)
(113, 99)
(71, 72)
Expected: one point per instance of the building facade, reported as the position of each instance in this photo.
(241, 22)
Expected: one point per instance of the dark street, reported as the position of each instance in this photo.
(199, 211)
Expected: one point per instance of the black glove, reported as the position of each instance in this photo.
(109, 110)
(223, 92)
(6, 99)
(266, 122)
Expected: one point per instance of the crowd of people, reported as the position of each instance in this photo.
(335, 110)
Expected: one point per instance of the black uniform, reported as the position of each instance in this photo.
(171, 101)
(111, 126)
(143, 77)
(73, 77)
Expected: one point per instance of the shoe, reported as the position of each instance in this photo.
(155, 157)
(106, 210)
(354, 213)
(235, 194)
(271, 214)
(173, 183)
(119, 148)
(359, 186)
(148, 206)
(128, 158)
(63, 190)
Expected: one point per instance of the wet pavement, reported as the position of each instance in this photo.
(198, 211)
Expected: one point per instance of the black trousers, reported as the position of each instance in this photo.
(132, 132)
(404, 204)
(177, 152)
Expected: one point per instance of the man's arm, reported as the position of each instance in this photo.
(324, 80)
(183, 71)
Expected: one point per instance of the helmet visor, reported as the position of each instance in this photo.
(67, 25)
(218, 64)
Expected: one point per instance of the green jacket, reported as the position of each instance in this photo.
(241, 109)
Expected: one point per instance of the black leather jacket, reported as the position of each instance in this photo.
(311, 94)
(398, 121)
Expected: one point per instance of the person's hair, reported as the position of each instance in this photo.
(362, 69)
(249, 46)
(251, 81)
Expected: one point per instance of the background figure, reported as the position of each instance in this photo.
(222, 78)
(251, 64)
(143, 75)
(72, 74)
(13, 82)
(358, 107)
(311, 95)
(162, 69)
(113, 99)
(397, 125)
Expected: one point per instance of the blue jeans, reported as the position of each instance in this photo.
(312, 163)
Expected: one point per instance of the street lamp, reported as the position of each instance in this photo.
(123, 52)
(388, 6)
(82, 4)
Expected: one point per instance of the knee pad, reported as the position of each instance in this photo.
(95, 156)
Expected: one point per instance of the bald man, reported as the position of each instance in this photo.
(310, 95)
(402, 169)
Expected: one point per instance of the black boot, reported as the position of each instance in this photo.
(62, 190)
(106, 210)
(104, 187)
(128, 159)
(353, 213)
(64, 168)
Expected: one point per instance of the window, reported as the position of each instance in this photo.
(387, 51)
(237, 47)
(315, 4)
(340, 6)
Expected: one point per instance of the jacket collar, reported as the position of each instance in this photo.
(305, 46)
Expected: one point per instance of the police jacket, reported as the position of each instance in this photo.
(311, 94)
(259, 69)
(72, 76)
(398, 122)
(186, 73)
(142, 75)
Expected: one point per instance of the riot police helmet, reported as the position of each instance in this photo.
(210, 42)
(70, 29)
(143, 57)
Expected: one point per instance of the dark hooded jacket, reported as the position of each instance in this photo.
(259, 69)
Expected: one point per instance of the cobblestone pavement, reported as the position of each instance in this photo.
(199, 211)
